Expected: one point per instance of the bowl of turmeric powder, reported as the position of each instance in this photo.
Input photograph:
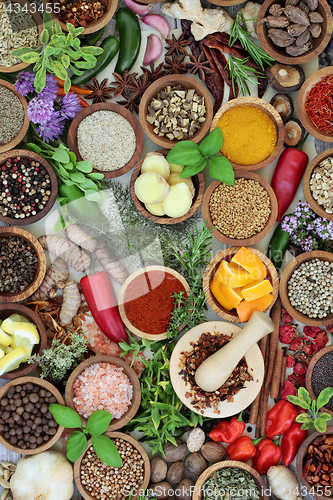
(253, 132)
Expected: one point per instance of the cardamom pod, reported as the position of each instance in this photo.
(280, 37)
(304, 7)
(296, 15)
(303, 38)
(277, 22)
(296, 29)
(276, 10)
(315, 29)
(312, 4)
(315, 17)
(291, 2)
(294, 50)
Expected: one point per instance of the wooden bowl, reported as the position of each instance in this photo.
(199, 185)
(300, 459)
(318, 209)
(286, 275)
(256, 237)
(45, 385)
(24, 368)
(279, 53)
(210, 271)
(116, 108)
(39, 21)
(53, 188)
(186, 82)
(316, 77)
(197, 495)
(18, 138)
(6, 232)
(309, 372)
(115, 423)
(270, 111)
(121, 299)
(113, 435)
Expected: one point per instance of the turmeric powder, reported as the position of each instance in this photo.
(249, 135)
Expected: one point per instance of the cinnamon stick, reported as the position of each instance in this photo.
(275, 387)
(256, 403)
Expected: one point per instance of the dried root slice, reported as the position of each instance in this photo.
(80, 237)
(175, 168)
(151, 188)
(114, 268)
(55, 278)
(179, 200)
(176, 179)
(68, 251)
(156, 209)
(155, 162)
(71, 302)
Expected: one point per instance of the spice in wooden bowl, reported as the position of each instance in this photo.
(16, 254)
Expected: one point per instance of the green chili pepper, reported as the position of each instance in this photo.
(110, 46)
(130, 39)
(278, 245)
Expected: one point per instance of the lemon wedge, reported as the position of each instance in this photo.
(2, 353)
(28, 351)
(12, 360)
(7, 324)
(5, 339)
(25, 334)
(8, 349)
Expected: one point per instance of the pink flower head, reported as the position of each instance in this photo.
(286, 318)
(297, 380)
(300, 368)
(296, 344)
(287, 333)
(308, 349)
(311, 331)
(288, 390)
(320, 341)
(290, 361)
(329, 328)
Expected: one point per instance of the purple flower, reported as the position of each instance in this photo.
(25, 83)
(69, 105)
(51, 130)
(40, 111)
(49, 92)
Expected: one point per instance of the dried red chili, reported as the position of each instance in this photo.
(149, 302)
(319, 104)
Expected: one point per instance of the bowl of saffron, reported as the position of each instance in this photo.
(146, 300)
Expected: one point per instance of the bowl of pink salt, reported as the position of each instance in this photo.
(104, 383)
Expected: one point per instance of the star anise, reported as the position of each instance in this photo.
(175, 65)
(200, 66)
(153, 74)
(99, 91)
(130, 101)
(177, 45)
(125, 82)
(139, 85)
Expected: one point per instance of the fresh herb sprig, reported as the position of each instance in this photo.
(97, 424)
(241, 73)
(195, 158)
(313, 418)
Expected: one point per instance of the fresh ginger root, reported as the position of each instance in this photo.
(114, 268)
(55, 278)
(80, 237)
(68, 251)
(71, 302)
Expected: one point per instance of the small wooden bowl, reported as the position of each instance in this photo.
(172, 80)
(121, 299)
(60, 400)
(286, 275)
(113, 435)
(39, 21)
(318, 209)
(279, 53)
(210, 271)
(18, 138)
(53, 188)
(300, 459)
(197, 495)
(199, 185)
(127, 417)
(316, 77)
(256, 237)
(25, 368)
(309, 372)
(116, 108)
(6, 232)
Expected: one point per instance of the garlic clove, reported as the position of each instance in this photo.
(138, 8)
(157, 22)
(153, 50)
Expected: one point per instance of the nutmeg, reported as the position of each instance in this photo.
(213, 452)
(195, 464)
(184, 489)
(174, 453)
(176, 472)
(161, 490)
(158, 470)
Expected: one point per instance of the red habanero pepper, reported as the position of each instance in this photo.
(101, 300)
(287, 176)
(243, 449)
(291, 442)
(268, 454)
(227, 431)
(280, 418)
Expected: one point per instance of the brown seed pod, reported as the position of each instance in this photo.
(161, 490)
(158, 470)
(174, 453)
(195, 464)
(213, 452)
(183, 489)
(176, 472)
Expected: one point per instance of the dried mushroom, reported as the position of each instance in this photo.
(284, 77)
(294, 133)
(283, 105)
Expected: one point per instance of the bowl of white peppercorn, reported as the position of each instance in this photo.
(318, 184)
(305, 288)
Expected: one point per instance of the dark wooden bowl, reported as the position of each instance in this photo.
(300, 459)
(288, 271)
(186, 82)
(256, 237)
(309, 372)
(316, 77)
(225, 3)
(199, 185)
(279, 53)
(270, 111)
(211, 269)
(53, 188)
(116, 108)
(45, 385)
(6, 232)
(127, 417)
(318, 209)
(126, 437)
(7, 310)
(18, 138)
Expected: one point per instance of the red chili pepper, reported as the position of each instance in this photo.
(280, 418)
(287, 176)
(268, 454)
(243, 449)
(98, 291)
(291, 442)
(83, 103)
(227, 431)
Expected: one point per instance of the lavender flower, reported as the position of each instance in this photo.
(25, 83)
(49, 92)
(52, 129)
(69, 105)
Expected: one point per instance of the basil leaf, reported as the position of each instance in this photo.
(44, 38)
(65, 61)
(106, 450)
(59, 70)
(76, 71)
(303, 394)
(40, 78)
(76, 445)
(84, 166)
(60, 155)
(78, 31)
(38, 64)
(67, 85)
(184, 153)
(71, 28)
(74, 54)
(49, 51)
(303, 417)
(89, 58)
(190, 170)
(221, 169)
(66, 417)
(320, 425)
(84, 64)
(324, 397)
(212, 144)
(98, 422)
(76, 43)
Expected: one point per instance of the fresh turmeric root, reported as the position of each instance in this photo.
(55, 278)
(80, 237)
(71, 302)
(68, 251)
(114, 268)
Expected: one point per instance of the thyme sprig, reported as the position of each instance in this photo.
(240, 72)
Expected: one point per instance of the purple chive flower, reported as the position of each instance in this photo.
(53, 129)
(25, 83)
(69, 106)
(40, 110)
(49, 92)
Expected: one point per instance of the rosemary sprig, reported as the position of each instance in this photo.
(239, 72)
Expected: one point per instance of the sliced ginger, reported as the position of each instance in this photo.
(155, 209)
(179, 200)
(176, 179)
(151, 188)
(176, 168)
(155, 162)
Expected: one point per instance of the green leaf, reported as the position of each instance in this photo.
(96, 175)
(307, 425)
(47, 21)
(58, 41)
(75, 44)
(40, 78)
(184, 153)
(65, 60)
(66, 417)
(60, 224)
(155, 416)
(190, 170)
(88, 184)
(324, 397)
(76, 445)
(221, 169)
(34, 147)
(84, 166)
(212, 144)
(72, 157)
(44, 38)
(67, 85)
(106, 451)
(38, 64)
(57, 28)
(68, 182)
(21, 51)
(314, 406)
(30, 58)
(77, 72)
(59, 70)
(77, 177)
(89, 58)
(320, 425)
(84, 64)
(303, 417)
(60, 155)
(75, 55)
(92, 195)
(298, 402)
(303, 394)
(78, 31)
(325, 416)
(71, 28)
(98, 422)
(95, 51)
(49, 51)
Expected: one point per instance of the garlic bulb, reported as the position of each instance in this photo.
(46, 476)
